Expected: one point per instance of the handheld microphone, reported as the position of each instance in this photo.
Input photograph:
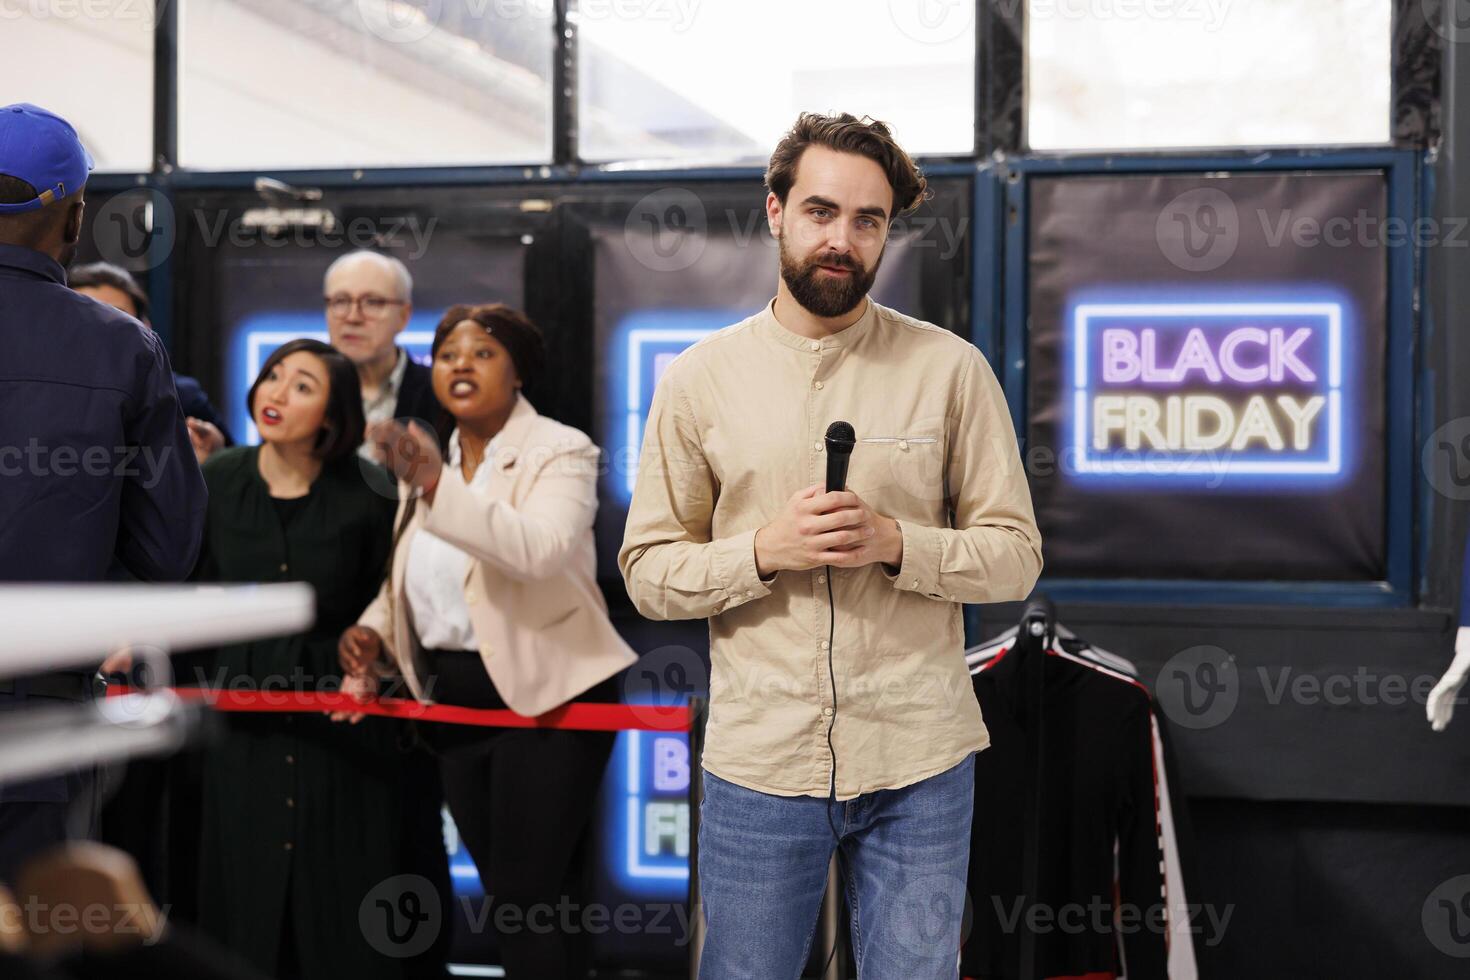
(840, 441)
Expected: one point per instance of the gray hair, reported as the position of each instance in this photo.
(399, 270)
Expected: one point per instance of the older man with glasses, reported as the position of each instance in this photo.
(369, 299)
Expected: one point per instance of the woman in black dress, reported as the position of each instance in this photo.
(300, 815)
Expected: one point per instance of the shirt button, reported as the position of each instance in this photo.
(290, 802)
(290, 846)
(284, 567)
(816, 345)
(817, 446)
(915, 583)
(823, 644)
(817, 385)
(749, 594)
(290, 760)
(827, 712)
(821, 579)
(953, 599)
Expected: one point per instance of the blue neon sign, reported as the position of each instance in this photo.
(644, 343)
(646, 831)
(649, 830)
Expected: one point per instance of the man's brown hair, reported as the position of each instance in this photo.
(846, 133)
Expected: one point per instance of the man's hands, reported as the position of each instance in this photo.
(411, 452)
(205, 437)
(101, 882)
(819, 528)
(117, 662)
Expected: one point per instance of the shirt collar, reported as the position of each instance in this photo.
(511, 436)
(453, 453)
(388, 393)
(400, 368)
(14, 258)
(846, 337)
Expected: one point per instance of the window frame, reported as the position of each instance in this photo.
(1000, 166)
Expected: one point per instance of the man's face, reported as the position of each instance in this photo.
(112, 296)
(365, 310)
(832, 229)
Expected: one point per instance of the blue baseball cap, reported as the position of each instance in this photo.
(42, 149)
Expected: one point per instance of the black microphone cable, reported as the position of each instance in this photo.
(839, 436)
(842, 871)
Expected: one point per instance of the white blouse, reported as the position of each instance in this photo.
(437, 571)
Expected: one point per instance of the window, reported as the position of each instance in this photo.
(92, 64)
(370, 83)
(1158, 74)
(720, 82)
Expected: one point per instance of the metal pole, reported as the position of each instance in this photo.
(1037, 626)
(832, 925)
(698, 709)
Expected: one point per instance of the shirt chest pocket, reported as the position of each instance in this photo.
(900, 475)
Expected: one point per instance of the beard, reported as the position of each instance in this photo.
(821, 294)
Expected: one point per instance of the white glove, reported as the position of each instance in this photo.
(1441, 705)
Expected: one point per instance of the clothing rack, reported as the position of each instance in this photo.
(1033, 639)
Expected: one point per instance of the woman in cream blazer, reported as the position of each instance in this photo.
(492, 602)
(531, 587)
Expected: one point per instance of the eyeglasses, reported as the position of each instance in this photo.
(372, 306)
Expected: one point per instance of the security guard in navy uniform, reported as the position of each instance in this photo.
(98, 478)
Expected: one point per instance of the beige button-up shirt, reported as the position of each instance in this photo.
(737, 426)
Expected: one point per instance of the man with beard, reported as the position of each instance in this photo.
(841, 712)
(97, 475)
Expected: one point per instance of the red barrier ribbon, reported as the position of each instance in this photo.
(572, 716)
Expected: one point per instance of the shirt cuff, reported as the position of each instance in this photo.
(918, 570)
(734, 563)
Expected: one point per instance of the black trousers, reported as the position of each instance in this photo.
(40, 813)
(523, 800)
(30, 827)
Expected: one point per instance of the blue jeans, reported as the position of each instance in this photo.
(763, 868)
